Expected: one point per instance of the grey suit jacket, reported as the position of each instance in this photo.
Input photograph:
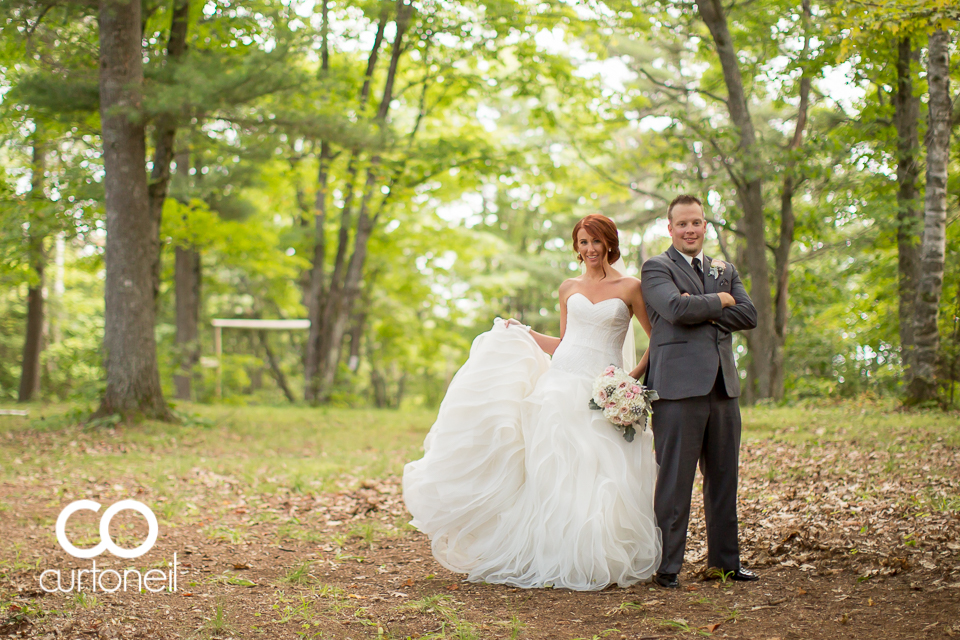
(692, 336)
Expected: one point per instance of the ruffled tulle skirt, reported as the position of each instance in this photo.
(522, 484)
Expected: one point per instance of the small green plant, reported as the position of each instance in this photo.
(723, 576)
(328, 591)
(625, 607)
(366, 531)
(451, 625)
(14, 614)
(217, 626)
(86, 601)
(599, 636)
(300, 574)
(227, 534)
(516, 626)
(294, 530)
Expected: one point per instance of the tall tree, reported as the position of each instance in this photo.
(791, 179)
(748, 178)
(165, 131)
(923, 383)
(186, 282)
(33, 342)
(133, 381)
(909, 215)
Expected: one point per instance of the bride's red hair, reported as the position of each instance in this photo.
(602, 228)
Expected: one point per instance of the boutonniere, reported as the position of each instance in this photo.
(716, 268)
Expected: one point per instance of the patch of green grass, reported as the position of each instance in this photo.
(877, 424)
(452, 625)
(602, 634)
(15, 614)
(625, 607)
(233, 535)
(16, 564)
(294, 530)
(217, 625)
(367, 532)
(85, 600)
(299, 574)
(267, 448)
(328, 591)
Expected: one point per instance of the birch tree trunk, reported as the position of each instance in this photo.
(909, 215)
(133, 381)
(762, 340)
(923, 386)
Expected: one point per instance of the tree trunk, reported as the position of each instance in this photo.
(164, 136)
(356, 335)
(750, 193)
(317, 295)
(33, 342)
(275, 366)
(788, 221)
(909, 215)
(324, 296)
(187, 286)
(187, 278)
(923, 386)
(344, 285)
(133, 381)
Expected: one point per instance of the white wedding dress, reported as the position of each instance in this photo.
(520, 482)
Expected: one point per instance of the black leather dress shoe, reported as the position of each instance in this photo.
(744, 575)
(667, 580)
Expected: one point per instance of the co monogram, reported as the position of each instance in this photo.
(106, 542)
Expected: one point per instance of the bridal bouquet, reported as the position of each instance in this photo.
(623, 400)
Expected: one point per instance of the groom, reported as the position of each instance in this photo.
(695, 304)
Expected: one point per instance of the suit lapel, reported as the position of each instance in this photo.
(709, 282)
(686, 268)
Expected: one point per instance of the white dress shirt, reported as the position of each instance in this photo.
(689, 259)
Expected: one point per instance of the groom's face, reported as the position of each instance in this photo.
(687, 227)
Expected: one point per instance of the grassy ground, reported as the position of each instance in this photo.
(288, 522)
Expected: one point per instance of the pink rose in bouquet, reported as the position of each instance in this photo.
(624, 402)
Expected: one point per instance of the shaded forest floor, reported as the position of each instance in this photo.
(289, 523)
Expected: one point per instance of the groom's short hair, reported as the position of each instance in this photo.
(682, 199)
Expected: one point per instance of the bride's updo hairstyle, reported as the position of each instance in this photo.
(602, 228)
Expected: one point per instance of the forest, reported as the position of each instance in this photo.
(400, 173)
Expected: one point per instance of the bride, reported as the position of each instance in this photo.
(520, 482)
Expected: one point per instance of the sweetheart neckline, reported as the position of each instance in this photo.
(593, 304)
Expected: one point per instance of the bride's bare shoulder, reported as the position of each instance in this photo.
(568, 286)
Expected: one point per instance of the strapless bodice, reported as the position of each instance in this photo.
(594, 336)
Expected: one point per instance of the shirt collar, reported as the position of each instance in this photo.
(689, 259)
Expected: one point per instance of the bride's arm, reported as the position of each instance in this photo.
(549, 344)
(640, 312)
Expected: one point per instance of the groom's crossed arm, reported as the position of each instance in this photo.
(741, 316)
(663, 295)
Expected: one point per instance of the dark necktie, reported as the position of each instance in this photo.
(696, 267)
